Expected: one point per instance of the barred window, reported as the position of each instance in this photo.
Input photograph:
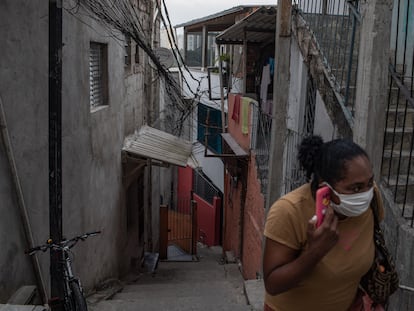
(98, 75)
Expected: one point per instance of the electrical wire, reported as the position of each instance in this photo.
(126, 17)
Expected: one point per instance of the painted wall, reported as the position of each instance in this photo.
(297, 89)
(208, 220)
(232, 215)
(198, 80)
(91, 144)
(254, 220)
(212, 167)
(244, 207)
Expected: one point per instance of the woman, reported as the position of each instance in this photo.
(309, 268)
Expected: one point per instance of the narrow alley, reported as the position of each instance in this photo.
(207, 284)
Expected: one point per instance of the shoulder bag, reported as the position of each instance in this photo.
(381, 280)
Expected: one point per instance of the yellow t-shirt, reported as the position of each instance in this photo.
(333, 283)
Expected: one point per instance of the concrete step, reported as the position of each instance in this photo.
(395, 137)
(400, 116)
(396, 97)
(179, 304)
(398, 162)
(404, 190)
(407, 210)
(11, 307)
(177, 289)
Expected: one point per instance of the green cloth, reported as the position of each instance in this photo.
(245, 115)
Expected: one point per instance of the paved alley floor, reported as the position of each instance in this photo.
(207, 284)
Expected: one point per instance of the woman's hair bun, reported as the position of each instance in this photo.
(309, 153)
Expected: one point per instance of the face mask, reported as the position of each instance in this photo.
(352, 205)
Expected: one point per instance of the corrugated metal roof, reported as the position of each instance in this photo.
(258, 27)
(216, 15)
(155, 144)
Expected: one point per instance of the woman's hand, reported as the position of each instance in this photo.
(284, 267)
(322, 239)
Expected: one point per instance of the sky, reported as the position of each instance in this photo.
(182, 11)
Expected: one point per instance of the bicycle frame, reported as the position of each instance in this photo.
(68, 277)
(73, 299)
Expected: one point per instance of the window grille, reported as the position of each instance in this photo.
(97, 74)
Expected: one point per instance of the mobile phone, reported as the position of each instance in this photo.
(323, 198)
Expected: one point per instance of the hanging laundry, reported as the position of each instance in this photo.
(245, 115)
(272, 65)
(236, 109)
(264, 84)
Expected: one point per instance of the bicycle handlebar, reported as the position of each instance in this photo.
(62, 244)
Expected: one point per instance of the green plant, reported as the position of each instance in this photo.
(224, 57)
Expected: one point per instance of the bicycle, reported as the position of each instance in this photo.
(74, 299)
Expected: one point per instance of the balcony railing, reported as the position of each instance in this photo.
(260, 143)
(335, 24)
(397, 164)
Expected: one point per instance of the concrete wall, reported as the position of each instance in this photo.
(244, 206)
(398, 235)
(24, 93)
(323, 123)
(297, 89)
(91, 143)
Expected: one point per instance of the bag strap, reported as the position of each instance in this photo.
(379, 239)
(374, 208)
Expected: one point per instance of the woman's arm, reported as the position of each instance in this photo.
(284, 267)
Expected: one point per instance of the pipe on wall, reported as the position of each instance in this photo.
(21, 203)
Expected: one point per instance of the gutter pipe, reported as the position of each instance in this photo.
(22, 206)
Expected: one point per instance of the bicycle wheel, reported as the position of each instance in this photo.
(78, 300)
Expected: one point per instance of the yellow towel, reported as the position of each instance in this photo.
(245, 115)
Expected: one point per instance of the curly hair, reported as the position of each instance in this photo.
(327, 161)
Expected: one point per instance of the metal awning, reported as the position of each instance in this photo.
(234, 146)
(231, 149)
(258, 27)
(218, 21)
(158, 145)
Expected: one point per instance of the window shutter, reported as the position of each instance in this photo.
(96, 72)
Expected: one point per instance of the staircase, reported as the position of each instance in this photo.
(398, 156)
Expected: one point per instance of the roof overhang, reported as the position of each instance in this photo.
(218, 21)
(231, 149)
(259, 27)
(151, 143)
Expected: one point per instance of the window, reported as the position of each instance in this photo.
(209, 126)
(98, 75)
(128, 51)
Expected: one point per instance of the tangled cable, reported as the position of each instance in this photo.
(126, 17)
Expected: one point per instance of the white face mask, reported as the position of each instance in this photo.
(352, 205)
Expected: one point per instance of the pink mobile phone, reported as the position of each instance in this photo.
(323, 197)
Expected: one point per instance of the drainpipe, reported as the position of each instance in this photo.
(22, 206)
(55, 150)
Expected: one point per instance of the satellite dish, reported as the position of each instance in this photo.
(165, 56)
